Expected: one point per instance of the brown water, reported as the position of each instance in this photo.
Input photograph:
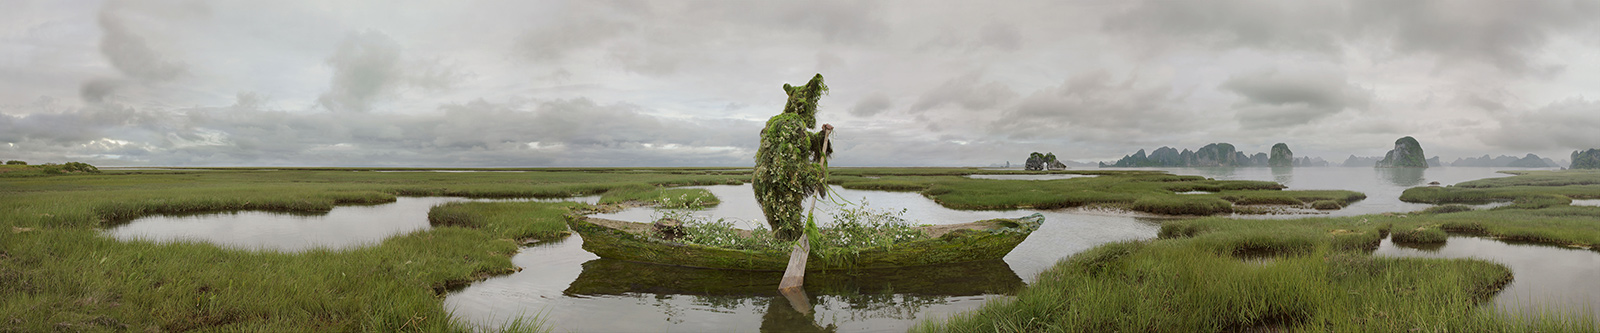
(1546, 278)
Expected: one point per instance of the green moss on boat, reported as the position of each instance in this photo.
(946, 244)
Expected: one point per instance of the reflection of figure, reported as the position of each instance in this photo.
(781, 317)
(787, 163)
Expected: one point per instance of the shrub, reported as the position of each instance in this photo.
(16, 162)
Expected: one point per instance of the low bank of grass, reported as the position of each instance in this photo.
(1180, 286)
(662, 197)
(1144, 191)
(57, 272)
(1535, 188)
(1313, 274)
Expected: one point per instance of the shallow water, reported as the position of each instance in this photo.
(573, 290)
(1545, 278)
(1381, 185)
(342, 227)
(1029, 177)
(881, 301)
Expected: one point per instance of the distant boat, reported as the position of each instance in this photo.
(945, 244)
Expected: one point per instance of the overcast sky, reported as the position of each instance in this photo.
(678, 83)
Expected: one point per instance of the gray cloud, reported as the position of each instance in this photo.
(1313, 26)
(131, 54)
(366, 66)
(1508, 35)
(1093, 106)
(873, 104)
(653, 83)
(968, 91)
(1001, 36)
(554, 42)
(1563, 125)
(537, 133)
(1278, 98)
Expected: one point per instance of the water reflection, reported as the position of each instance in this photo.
(574, 290)
(1283, 175)
(343, 227)
(1403, 177)
(897, 294)
(1544, 277)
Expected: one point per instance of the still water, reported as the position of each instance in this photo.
(1545, 278)
(342, 227)
(1381, 185)
(574, 290)
(560, 278)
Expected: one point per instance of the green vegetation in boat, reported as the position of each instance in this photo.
(756, 249)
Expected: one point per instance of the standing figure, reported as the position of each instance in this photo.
(792, 162)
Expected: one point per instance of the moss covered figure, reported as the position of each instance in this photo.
(790, 164)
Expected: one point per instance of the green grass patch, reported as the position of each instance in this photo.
(1421, 235)
(1314, 274)
(662, 197)
(1144, 191)
(57, 272)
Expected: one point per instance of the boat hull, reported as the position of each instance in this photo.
(984, 240)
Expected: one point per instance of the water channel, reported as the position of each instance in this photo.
(574, 290)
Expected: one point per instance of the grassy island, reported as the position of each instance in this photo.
(1313, 274)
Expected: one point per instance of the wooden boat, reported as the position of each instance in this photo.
(944, 244)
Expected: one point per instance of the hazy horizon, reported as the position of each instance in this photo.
(914, 83)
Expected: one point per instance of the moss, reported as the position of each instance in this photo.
(786, 171)
(977, 245)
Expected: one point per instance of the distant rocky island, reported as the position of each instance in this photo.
(1213, 155)
(1407, 153)
(1041, 162)
(1503, 161)
(1587, 159)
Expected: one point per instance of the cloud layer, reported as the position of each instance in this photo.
(617, 83)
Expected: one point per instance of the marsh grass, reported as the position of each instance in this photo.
(1206, 274)
(1143, 191)
(674, 198)
(57, 272)
(1420, 235)
(1177, 285)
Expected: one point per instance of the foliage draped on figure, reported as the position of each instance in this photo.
(790, 164)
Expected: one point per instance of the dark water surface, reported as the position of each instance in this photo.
(1546, 279)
